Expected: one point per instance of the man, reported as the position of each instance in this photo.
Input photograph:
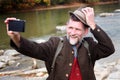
(73, 62)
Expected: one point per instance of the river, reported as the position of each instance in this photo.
(42, 24)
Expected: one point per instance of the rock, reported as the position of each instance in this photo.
(2, 65)
(17, 64)
(117, 67)
(10, 62)
(106, 14)
(4, 58)
(1, 52)
(118, 61)
(8, 58)
(101, 72)
(110, 64)
(15, 58)
(114, 76)
(61, 28)
(36, 78)
(21, 78)
(42, 74)
(117, 11)
(12, 78)
(108, 71)
(11, 53)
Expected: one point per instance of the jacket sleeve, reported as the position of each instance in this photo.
(42, 51)
(103, 47)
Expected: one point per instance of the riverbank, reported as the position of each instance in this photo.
(39, 8)
(19, 67)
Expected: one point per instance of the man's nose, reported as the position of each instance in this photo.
(73, 31)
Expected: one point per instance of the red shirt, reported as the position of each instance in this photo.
(75, 72)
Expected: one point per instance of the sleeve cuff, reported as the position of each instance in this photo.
(97, 29)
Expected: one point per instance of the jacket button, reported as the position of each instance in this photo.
(77, 74)
(66, 75)
(98, 30)
(70, 64)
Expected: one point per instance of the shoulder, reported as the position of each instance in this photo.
(88, 39)
(56, 39)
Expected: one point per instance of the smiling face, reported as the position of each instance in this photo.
(75, 31)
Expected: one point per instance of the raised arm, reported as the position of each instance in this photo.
(15, 36)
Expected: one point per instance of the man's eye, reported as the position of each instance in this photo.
(77, 29)
(70, 28)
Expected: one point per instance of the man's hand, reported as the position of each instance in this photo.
(89, 13)
(15, 36)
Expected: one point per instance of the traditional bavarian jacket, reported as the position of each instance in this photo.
(63, 65)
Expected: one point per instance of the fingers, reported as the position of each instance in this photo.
(88, 10)
(10, 33)
(89, 14)
(7, 20)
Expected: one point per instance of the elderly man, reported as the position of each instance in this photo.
(73, 61)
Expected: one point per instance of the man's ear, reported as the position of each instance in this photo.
(86, 31)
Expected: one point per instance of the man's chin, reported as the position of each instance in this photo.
(73, 41)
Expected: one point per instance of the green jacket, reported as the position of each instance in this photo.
(46, 51)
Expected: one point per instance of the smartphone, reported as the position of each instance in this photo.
(16, 25)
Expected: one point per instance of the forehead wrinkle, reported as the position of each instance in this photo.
(74, 23)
